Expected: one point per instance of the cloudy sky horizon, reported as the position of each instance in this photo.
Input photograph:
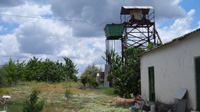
(74, 28)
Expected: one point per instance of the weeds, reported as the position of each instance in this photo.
(55, 100)
(4, 91)
(107, 90)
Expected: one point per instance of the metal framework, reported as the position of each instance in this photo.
(139, 27)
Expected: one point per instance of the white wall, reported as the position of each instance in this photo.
(174, 68)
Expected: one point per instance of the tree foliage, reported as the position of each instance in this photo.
(36, 69)
(128, 81)
(113, 59)
(87, 79)
(70, 69)
(92, 70)
(127, 77)
(84, 79)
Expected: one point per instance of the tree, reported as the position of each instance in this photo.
(70, 69)
(84, 79)
(152, 45)
(32, 105)
(32, 69)
(92, 70)
(3, 78)
(10, 71)
(113, 59)
(127, 77)
(20, 69)
(36, 69)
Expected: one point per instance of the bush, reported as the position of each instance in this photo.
(32, 105)
(107, 90)
(88, 79)
(92, 82)
(95, 84)
(67, 93)
(84, 79)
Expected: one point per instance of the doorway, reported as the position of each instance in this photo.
(151, 84)
(197, 69)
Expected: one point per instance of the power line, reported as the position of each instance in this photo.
(33, 17)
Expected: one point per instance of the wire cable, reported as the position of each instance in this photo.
(33, 17)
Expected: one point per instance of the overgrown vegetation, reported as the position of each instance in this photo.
(36, 69)
(107, 90)
(89, 100)
(126, 77)
(87, 79)
(89, 76)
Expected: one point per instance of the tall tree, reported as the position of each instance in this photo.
(92, 70)
(126, 77)
(70, 69)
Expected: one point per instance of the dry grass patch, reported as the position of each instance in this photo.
(123, 101)
(58, 89)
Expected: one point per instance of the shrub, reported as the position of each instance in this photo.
(92, 82)
(95, 84)
(84, 79)
(107, 90)
(32, 105)
(67, 93)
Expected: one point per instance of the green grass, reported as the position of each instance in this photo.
(88, 100)
(4, 91)
(107, 90)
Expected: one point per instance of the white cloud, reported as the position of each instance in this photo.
(42, 36)
(180, 27)
(98, 11)
(30, 9)
(9, 45)
(176, 2)
(55, 39)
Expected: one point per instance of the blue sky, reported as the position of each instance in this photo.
(24, 34)
(192, 4)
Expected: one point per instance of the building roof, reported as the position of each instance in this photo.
(173, 41)
(127, 9)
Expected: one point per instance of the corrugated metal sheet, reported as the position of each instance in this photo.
(127, 9)
(173, 41)
(137, 7)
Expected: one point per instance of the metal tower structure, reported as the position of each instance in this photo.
(139, 27)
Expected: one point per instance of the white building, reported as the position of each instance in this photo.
(171, 67)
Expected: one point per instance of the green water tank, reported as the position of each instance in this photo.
(114, 31)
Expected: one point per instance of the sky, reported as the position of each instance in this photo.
(74, 28)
